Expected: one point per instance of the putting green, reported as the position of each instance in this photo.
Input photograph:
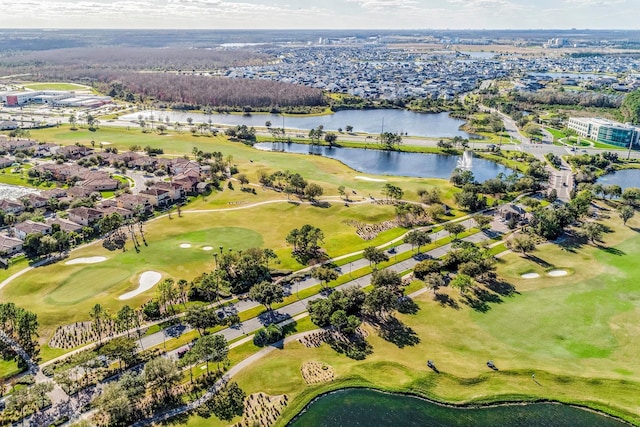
(84, 284)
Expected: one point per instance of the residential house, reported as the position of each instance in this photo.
(511, 212)
(65, 225)
(133, 202)
(124, 213)
(5, 162)
(8, 125)
(85, 216)
(10, 245)
(11, 206)
(75, 152)
(36, 201)
(99, 184)
(176, 192)
(27, 227)
(156, 196)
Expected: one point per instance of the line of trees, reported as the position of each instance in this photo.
(21, 325)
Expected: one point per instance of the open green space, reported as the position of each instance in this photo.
(8, 368)
(54, 289)
(328, 172)
(578, 334)
(55, 86)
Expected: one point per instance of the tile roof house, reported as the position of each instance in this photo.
(85, 216)
(23, 229)
(9, 245)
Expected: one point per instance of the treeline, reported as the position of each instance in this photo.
(20, 325)
(191, 92)
(582, 99)
(62, 64)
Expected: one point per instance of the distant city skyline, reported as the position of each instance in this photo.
(326, 14)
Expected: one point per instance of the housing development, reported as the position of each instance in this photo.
(319, 227)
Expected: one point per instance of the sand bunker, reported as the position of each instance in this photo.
(105, 143)
(366, 178)
(207, 248)
(557, 273)
(530, 276)
(185, 245)
(148, 279)
(88, 260)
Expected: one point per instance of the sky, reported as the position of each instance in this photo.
(321, 14)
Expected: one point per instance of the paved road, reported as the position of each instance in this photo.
(250, 326)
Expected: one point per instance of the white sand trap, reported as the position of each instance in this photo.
(530, 276)
(185, 245)
(105, 143)
(88, 260)
(366, 178)
(207, 248)
(557, 273)
(148, 279)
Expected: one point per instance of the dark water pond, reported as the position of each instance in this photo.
(624, 178)
(378, 162)
(364, 407)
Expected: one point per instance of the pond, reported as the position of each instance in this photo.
(14, 192)
(624, 178)
(379, 162)
(438, 125)
(364, 407)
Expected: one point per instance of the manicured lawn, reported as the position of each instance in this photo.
(579, 334)
(8, 368)
(61, 293)
(55, 86)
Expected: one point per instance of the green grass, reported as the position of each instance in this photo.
(55, 86)
(8, 368)
(578, 334)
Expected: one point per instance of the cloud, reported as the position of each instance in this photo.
(382, 5)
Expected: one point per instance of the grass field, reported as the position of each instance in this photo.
(578, 334)
(55, 86)
(61, 293)
(327, 172)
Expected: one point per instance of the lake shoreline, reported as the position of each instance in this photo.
(461, 406)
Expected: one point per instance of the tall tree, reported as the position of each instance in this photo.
(324, 275)
(161, 374)
(626, 212)
(418, 238)
(267, 293)
(375, 256)
(211, 348)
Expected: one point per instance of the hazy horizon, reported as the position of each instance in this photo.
(329, 15)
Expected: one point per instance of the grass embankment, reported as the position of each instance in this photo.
(578, 334)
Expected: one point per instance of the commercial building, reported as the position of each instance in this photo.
(58, 98)
(606, 131)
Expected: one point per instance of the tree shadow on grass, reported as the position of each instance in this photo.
(542, 263)
(612, 250)
(446, 301)
(354, 346)
(502, 288)
(396, 332)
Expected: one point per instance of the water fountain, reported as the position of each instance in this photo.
(465, 161)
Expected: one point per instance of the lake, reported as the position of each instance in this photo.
(438, 125)
(379, 162)
(364, 407)
(624, 178)
(14, 192)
